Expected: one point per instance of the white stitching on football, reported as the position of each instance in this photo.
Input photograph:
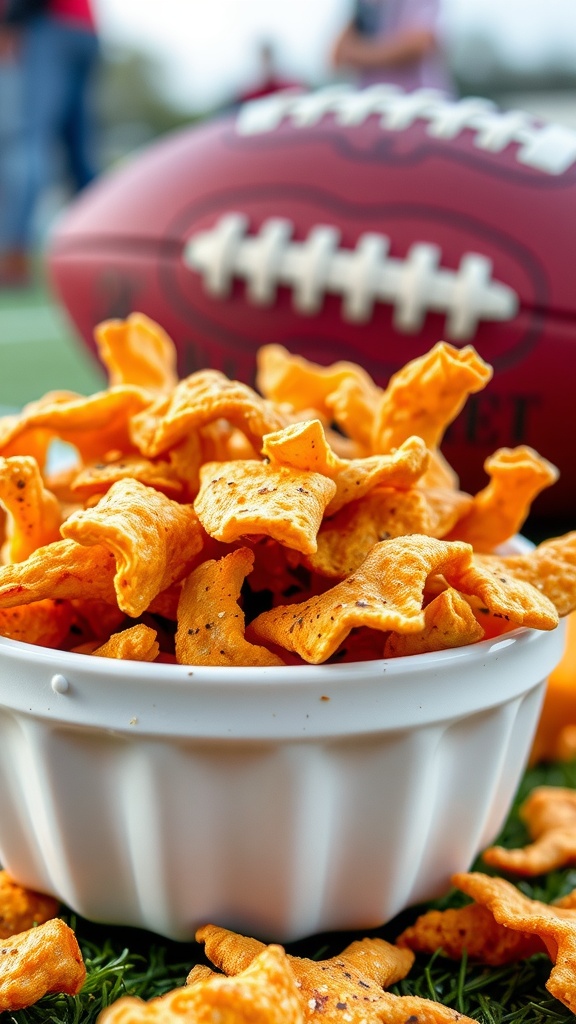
(549, 148)
(362, 276)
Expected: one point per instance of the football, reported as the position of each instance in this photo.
(353, 224)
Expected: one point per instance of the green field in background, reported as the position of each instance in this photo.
(39, 349)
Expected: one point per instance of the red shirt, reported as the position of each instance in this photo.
(78, 11)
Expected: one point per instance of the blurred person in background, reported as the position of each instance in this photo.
(395, 41)
(269, 79)
(54, 46)
(10, 120)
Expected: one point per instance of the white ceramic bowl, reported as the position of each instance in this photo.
(280, 802)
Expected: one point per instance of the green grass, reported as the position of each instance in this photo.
(131, 962)
(39, 349)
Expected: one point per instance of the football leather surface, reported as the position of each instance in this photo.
(353, 224)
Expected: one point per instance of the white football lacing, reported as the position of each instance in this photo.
(363, 276)
(550, 148)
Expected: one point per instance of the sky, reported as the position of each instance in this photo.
(207, 48)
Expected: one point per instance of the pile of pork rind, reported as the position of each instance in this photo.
(313, 518)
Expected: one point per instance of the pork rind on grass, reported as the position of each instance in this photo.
(349, 987)
(22, 908)
(550, 815)
(43, 959)
(265, 992)
(473, 930)
(536, 927)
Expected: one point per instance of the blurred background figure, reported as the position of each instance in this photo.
(10, 121)
(396, 41)
(269, 78)
(51, 47)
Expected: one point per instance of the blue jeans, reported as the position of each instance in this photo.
(56, 63)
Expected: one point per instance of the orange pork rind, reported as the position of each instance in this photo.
(220, 442)
(550, 568)
(354, 405)
(45, 623)
(137, 351)
(349, 987)
(99, 477)
(423, 398)
(32, 442)
(43, 959)
(565, 746)
(22, 908)
(541, 928)
(448, 622)
(153, 539)
(94, 426)
(138, 643)
(303, 446)
(185, 460)
(386, 593)
(550, 814)
(251, 498)
(286, 378)
(472, 929)
(63, 570)
(326, 477)
(264, 993)
(427, 394)
(34, 513)
(344, 540)
(517, 475)
(210, 620)
(198, 400)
